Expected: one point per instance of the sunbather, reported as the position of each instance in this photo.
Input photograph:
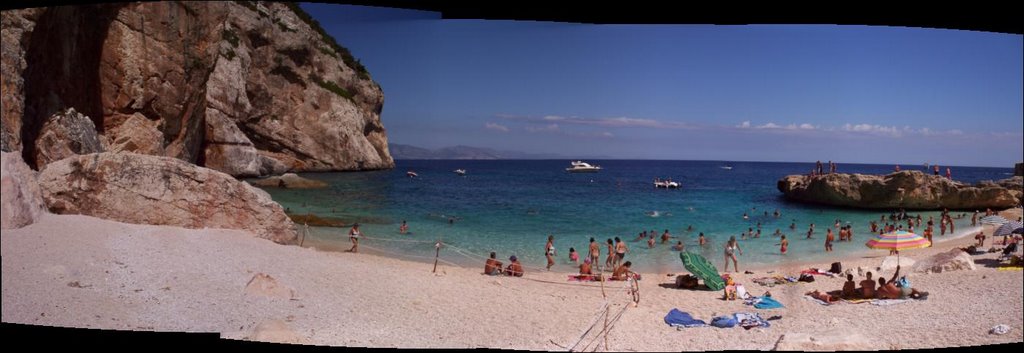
(867, 287)
(493, 266)
(889, 290)
(850, 288)
(825, 297)
(621, 272)
(514, 268)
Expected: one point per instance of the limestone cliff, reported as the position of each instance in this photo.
(906, 189)
(247, 88)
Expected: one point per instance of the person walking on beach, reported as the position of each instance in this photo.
(828, 240)
(595, 252)
(783, 245)
(620, 251)
(353, 235)
(731, 247)
(549, 251)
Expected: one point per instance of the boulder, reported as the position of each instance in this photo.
(262, 284)
(889, 264)
(142, 189)
(832, 340)
(21, 201)
(136, 134)
(953, 260)
(290, 181)
(66, 134)
(905, 189)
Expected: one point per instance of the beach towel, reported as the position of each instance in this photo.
(741, 292)
(751, 320)
(858, 301)
(886, 302)
(767, 303)
(1010, 268)
(723, 321)
(676, 318)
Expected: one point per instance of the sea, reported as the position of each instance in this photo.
(510, 207)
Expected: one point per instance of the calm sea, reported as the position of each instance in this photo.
(511, 206)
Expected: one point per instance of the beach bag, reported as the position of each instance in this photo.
(806, 278)
(836, 268)
(903, 282)
(723, 322)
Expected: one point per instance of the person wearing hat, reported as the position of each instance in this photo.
(353, 234)
(514, 268)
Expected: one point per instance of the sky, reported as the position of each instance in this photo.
(794, 93)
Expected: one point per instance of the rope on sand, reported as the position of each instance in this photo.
(593, 323)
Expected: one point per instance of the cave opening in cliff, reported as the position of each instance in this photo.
(62, 70)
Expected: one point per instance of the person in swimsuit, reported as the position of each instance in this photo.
(404, 228)
(650, 241)
(595, 252)
(549, 251)
(810, 231)
(783, 245)
(353, 234)
(828, 240)
(679, 246)
(620, 250)
(730, 252)
(514, 268)
(665, 236)
(701, 241)
(867, 287)
(573, 256)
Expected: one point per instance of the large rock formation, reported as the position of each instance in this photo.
(289, 181)
(953, 260)
(1018, 169)
(243, 87)
(64, 135)
(21, 202)
(906, 189)
(137, 188)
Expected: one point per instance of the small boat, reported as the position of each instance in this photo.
(668, 184)
(582, 167)
(726, 167)
(411, 174)
(461, 172)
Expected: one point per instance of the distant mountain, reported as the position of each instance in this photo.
(399, 151)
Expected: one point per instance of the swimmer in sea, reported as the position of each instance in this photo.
(745, 217)
(701, 240)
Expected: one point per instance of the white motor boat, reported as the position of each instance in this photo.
(582, 167)
(726, 167)
(411, 174)
(460, 172)
(668, 184)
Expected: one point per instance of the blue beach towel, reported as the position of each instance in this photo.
(678, 318)
(767, 303)
(723, 321)
(751, 320)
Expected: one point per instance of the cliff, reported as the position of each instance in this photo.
(246, 88)
(906, 189)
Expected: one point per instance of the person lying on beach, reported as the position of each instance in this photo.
(514, 268)
(889, 290)
(867, 287)
(621, 272)
(493, 266)
(825, 297)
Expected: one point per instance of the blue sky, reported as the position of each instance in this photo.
(854, 94)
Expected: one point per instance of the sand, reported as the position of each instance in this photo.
(78, 271)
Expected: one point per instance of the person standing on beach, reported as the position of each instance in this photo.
(549, 251)
(620, 250)
(974, 219)
(952, 227)
(817, 168)
(353, 235)
(595, 252)
(828, 240)
(942, 226)
(731, 247)
(784, 244)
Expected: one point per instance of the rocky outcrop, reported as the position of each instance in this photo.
(275, 331)
(66, 134)
(21, 202)
(1018, 169)
(243, 87)
(142, 189)
(289, 181)
(906, 189)
(953, 260)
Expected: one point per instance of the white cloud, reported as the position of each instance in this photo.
(769, 125)
(497, 127)
(607, 122)
(806, 126)
(744, 125)
(546, 128)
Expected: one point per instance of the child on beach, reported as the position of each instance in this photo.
(573, 256)
(850, 287)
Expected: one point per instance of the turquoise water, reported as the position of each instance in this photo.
(510, 207)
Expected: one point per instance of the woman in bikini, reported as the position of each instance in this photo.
(730, 252)
(784, 244)
(611, 255)
(353, 234)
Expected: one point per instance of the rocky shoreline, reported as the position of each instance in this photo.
(912, 190)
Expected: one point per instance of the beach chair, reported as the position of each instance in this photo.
(1008, 252)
